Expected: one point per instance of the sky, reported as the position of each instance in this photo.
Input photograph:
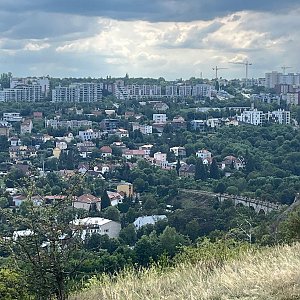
(148, 38)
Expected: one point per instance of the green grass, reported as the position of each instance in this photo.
(272, 273)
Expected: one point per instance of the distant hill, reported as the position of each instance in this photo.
(272, 273)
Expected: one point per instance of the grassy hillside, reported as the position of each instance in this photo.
(269, 274)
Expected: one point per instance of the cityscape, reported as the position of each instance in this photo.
(149, 150)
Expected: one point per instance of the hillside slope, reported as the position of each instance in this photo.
(270, 274)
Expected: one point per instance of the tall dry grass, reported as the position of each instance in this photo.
(269, 274)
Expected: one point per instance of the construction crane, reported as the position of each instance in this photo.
(217, 69)
(284, 68)
(246, 64)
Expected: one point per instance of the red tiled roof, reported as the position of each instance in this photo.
(106, 149)
(88, 198)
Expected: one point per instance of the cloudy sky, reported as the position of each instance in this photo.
(148, 38)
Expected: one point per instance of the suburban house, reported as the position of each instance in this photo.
(5, 129)
(97, 225)
(179, 123)
(14, 141)
(142, 221)
(56, 152)
(89, 134)
(160, 106)
(22, 152)
(62, 145)
(106, 151)
(85, 148)
(87, 202)
(187, 171)
(83, 168)
(144, 129)
(121, 133)
(37, 115)
(158, 127)
(128, 154)
(26, 127)
(115, 198)
(159, 118)
(178, 151)
(18, 200)
(232, 162)
(203, 154)
(146, 148)
(159, 156)
(125, 188)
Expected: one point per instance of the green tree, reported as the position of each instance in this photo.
(192, 229)
(200, 170)
(178, 166)
(105, 200)
(147, 249)
(4, 203)
(220, 188)
(112, 213)
(170, 240)
(250, 162)
(12, 285)
(128, 235)
(4, 144)
(289, 229)
(140, 185)
(49, 253)
(214, 170)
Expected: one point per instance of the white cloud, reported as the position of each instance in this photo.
(34, 46)
(169, 49)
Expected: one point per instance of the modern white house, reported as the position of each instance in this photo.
(145, 220)
(97, 225)
(159, 118)
(203, 154)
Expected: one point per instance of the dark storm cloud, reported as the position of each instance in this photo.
(34, 25)
(155, 10)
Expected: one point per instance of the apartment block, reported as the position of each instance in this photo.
(202, 90)
(22, 93)
(159, 118)
(78, 92)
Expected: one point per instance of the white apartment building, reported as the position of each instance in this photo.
(78, 92)
(136, 91)
(54, 123)
(274, 78)
(185, 90)
(42, 81)
(146, 148)
(279, 116)
(12, 117)
(159, 156)
(178, 151)
(202, 90)
(292, 98)
(171, 91)
(204, 154)
(88, 135)
(26, 127)
(144, 129)
(159, 118)
(120, 92)
(22, 93)
(254, 117)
